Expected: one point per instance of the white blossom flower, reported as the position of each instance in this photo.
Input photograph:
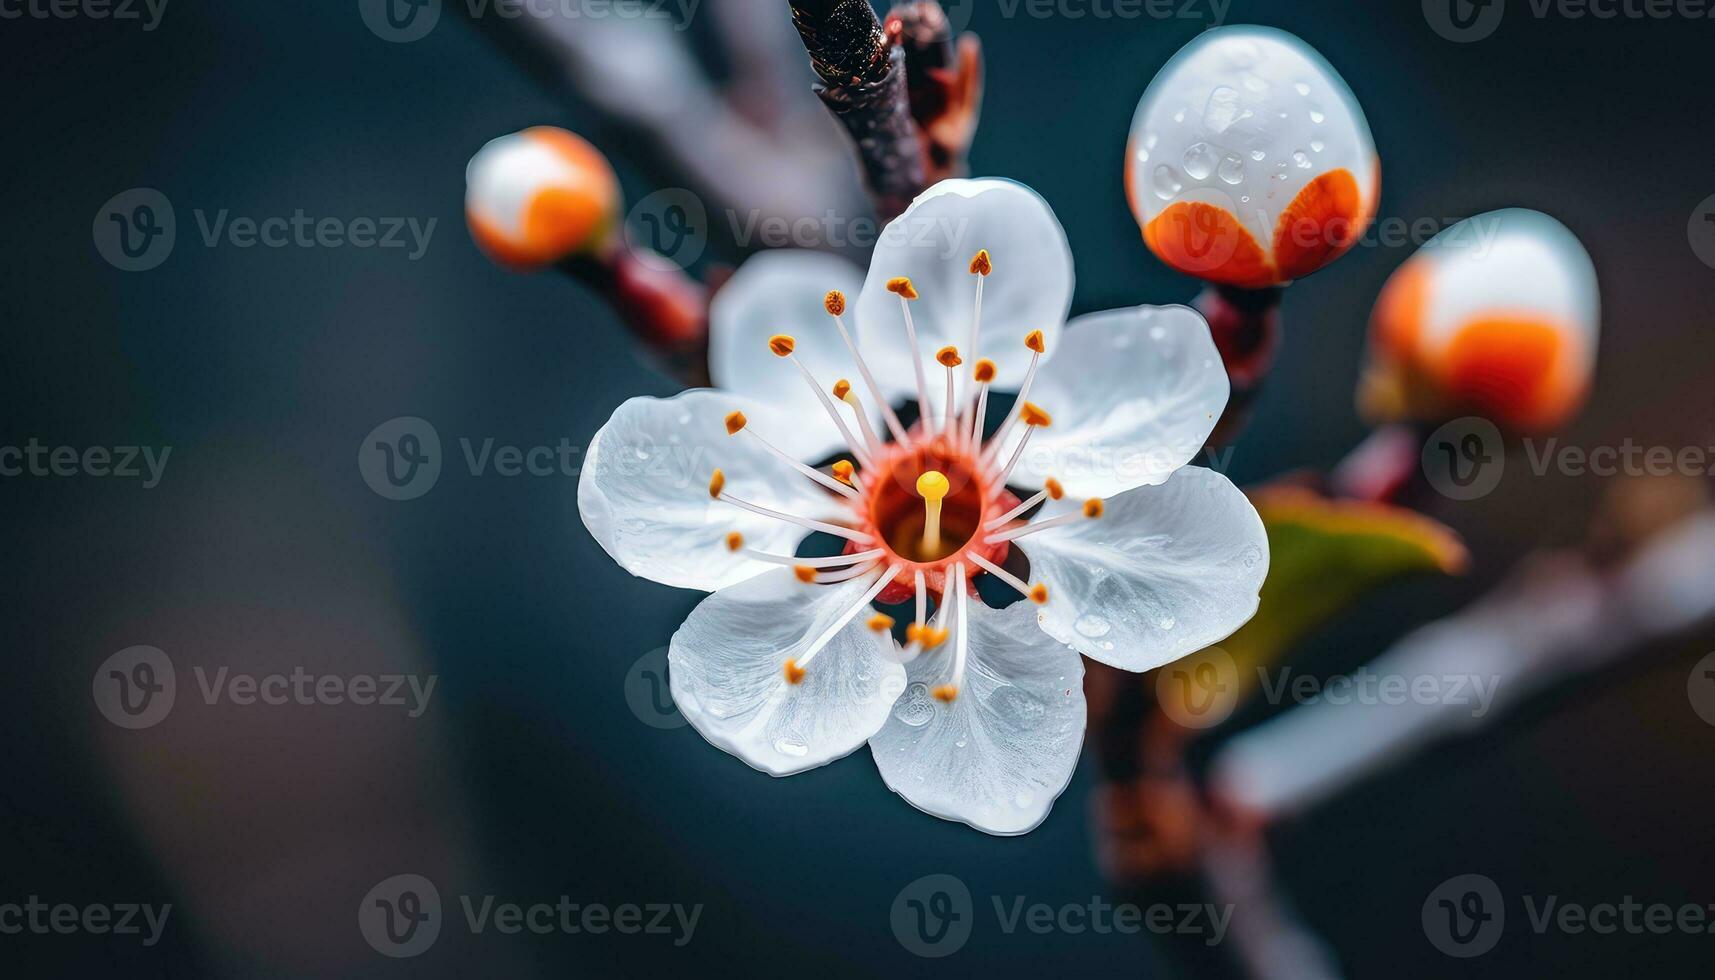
(1127, 555)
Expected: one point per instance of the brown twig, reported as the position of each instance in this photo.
(944, 79)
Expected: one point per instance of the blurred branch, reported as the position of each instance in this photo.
(944, 80)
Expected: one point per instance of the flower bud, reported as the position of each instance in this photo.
(1250, 163)
(1497, 316)
(540, 195)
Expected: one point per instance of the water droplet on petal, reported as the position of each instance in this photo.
(1023, 798)
(914, 707)
(1223, 110)
(1200, 160)
(1302, 159)
(1092, 626)
(1303, 88)
(789, 745)
(1232, 170)
(1166, 183)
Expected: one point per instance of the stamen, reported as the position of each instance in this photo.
(981, 266)
(832, 561)
(805, 573)
(829, 578)
(1034, 418)
(717, 490)
(906, 292)
(1017, 583)
(1091, 510)
(844, 472)
(880, 622)
(1037, 348)
(871, 442)
(984, 375)
(734, 541)
(949, 358)
(827, 403)
(933, 487)
(836, 626)
(946, 693)
(1055, 490)
(782, 344)
(736, 423)
(1010, 515)
(835, 303)
(922, 597)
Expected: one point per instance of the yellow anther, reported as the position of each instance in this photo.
(928, 636)
(1093, 508)
(902, 287)
(735, 422)
(734, 541)
(985, 372)
(1055, 490)
(842, 388)
(880, 622)
(843, 470)
(980, 264)
(1036, 342)
(717, 483)
(1034, 415)
(834, 302)
(946, 693)
(782, 344)
(949, 357)
(932, 486)
(794, 673)
(1039, 594)
(805, 573)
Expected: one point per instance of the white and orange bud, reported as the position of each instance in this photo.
(1250, 162)
(538, 196)
(1497, 316)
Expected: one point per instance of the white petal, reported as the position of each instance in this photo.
(643, 492)
(1133, 394)
(778, 292)
(727, 664)
(933, 243)
(1165, 571)
(998, 755)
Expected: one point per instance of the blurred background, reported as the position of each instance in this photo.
(538, 767)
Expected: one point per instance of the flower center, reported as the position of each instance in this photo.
(918, 518)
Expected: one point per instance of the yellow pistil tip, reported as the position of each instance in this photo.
(985, 371)
(1036, 342)
(1055, 490)
(946, 693)
(735, 423)
(843, 471)
(933, 485)
(734, 541)
(794, 673)
(842, 388)
(1039, 594)
(949, 357)
(805, 573)
(717, 483)
(880, 622)
(980, 264)
(782, 344)
(902, 287)
(1034, 415)
(1093, 508)
(834, 302)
